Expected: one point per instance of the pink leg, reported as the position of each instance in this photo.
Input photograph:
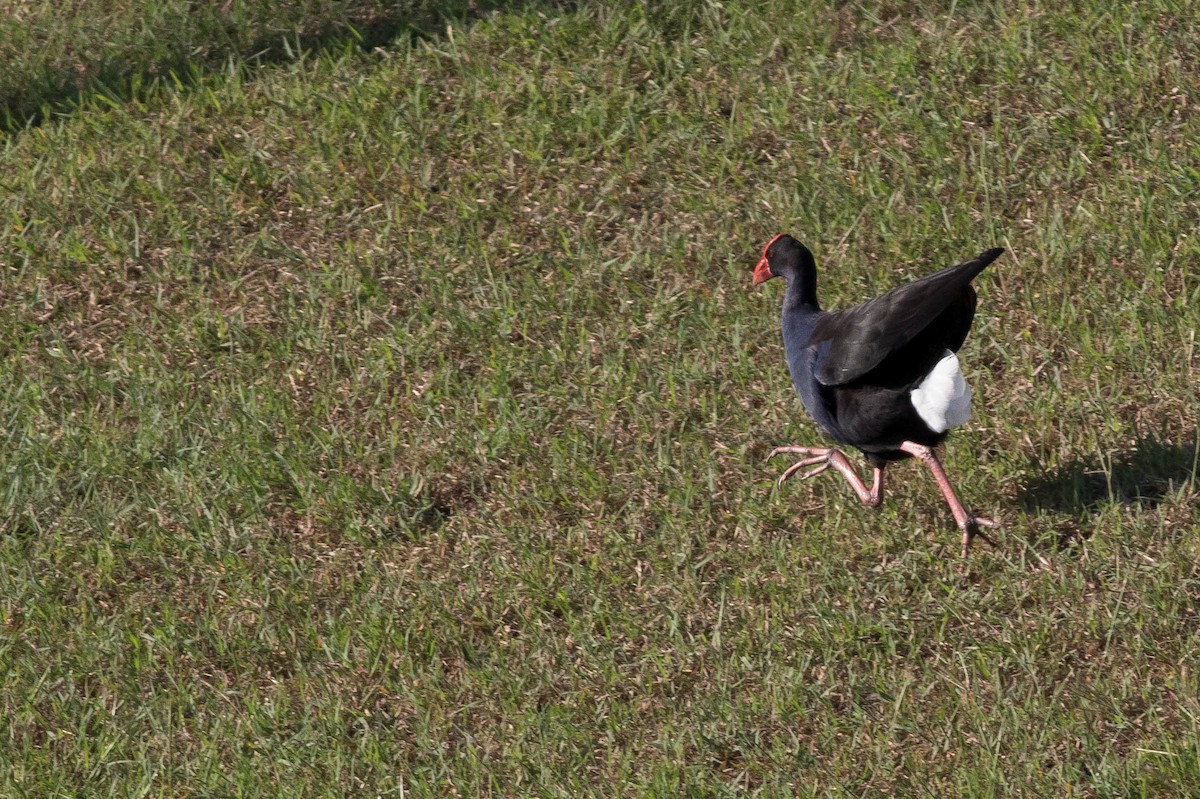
(821, 458)
(969, 523)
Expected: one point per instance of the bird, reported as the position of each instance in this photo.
(883, 376)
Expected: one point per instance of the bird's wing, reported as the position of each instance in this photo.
(852, 342)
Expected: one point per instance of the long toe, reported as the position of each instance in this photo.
(974, 527)
(821, 462)
(813, 472)
(816, 452)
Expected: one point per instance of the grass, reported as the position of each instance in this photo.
(392, 422)
(57, 53)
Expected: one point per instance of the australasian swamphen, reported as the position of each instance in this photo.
(882, 376)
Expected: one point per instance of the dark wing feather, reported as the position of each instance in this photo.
(852, 342)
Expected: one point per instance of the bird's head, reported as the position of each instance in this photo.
(782, 257)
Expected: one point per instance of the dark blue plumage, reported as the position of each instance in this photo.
(855, 369)
(881, 376)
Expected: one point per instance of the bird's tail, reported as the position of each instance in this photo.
(987, 256)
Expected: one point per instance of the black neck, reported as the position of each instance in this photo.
(802, 288)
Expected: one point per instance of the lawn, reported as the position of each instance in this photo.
(386, 415)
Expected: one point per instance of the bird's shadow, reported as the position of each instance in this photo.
(1139, 477)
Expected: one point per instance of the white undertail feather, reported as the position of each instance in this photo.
(943, 400)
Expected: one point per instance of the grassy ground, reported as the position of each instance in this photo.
(392, 423)
(54, 52)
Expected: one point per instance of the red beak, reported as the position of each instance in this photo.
(762, 270)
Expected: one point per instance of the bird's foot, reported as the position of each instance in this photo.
(818, 457)
(973, 526)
